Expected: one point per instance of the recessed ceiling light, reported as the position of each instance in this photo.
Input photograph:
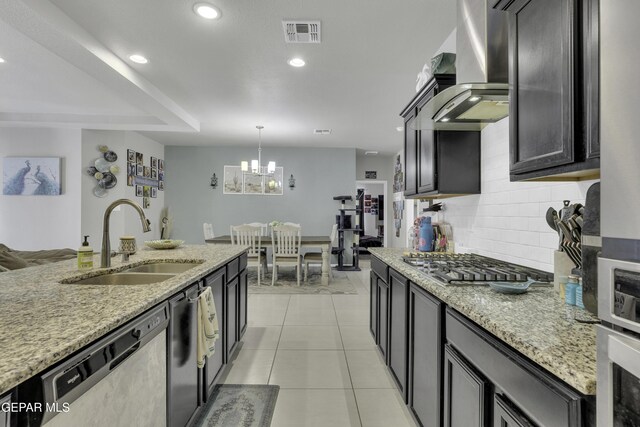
(446, 119)
(296, 62)
(207, 11)
(138, 59)
(399, 128)
(1, 60)
(370, 153)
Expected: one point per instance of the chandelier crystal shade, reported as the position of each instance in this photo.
(256, 164)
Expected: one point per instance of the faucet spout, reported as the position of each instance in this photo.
(105, 255)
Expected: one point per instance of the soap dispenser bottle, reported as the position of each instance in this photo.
(85, 255)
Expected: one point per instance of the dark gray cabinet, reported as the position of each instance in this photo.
(217, 282)
(243, 291)
(465, 393)
(382, 315)
(453, 373)
(398, 321)
(426, 165)
(410, 155)
(373, 305)
(438, 163)
(553, 76)
(231, 324)
(425, 356)
(505, 414)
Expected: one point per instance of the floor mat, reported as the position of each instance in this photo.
(235, 405)
(287, 283)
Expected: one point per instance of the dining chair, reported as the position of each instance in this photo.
(249, 235)
(263, 226)
(208, 231)
(316, 257)
(286, 241)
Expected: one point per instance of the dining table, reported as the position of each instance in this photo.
(322, 242)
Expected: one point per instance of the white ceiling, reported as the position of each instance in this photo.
(221, 77)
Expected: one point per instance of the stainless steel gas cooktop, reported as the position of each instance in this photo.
(472, 269)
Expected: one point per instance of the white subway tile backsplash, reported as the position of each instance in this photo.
(507, 221)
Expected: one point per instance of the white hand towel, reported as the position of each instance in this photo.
(208, 331)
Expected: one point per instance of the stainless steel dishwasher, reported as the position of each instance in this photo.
(118, 381)
(183, 376)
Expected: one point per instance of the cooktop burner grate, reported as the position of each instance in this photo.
(472, 269)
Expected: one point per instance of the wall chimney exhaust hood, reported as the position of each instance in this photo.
(481, 95)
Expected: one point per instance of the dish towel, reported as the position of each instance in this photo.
(208, 331)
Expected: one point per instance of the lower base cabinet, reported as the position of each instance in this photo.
(506, 415)
(383, 316)
(231, 324)
(243, 290)
(425, 357)
(456, 373)
(398, 293)
(465, 393)
(217, 282)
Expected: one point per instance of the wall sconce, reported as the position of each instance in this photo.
(292, 182)
(214, 181)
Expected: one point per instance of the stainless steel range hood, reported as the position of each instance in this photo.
(481, 95)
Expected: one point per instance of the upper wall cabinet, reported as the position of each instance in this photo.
(438, 163)
(553, 76)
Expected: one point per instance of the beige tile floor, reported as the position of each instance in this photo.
(320, 352)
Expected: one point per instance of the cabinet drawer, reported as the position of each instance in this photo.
(380, 268)
(544, 399)
(243, 262)
(233, 268)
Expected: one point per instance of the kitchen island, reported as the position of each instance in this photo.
(43, 321)
(518, 349)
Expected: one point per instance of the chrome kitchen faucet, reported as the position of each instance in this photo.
(105, 255)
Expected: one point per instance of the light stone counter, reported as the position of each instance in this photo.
(537, 324)
(43, 321)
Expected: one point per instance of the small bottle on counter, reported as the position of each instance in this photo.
(85, 255)
(570, 290)
(579, 302)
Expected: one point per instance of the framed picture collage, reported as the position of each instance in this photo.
(147, 179)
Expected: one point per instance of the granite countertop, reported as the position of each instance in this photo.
(43, 321)
(537, 324)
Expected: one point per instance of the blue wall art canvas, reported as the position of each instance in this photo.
(31, 176)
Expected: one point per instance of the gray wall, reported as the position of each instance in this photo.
(320, 175)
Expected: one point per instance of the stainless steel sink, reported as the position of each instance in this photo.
(123, 279)
(163, 267)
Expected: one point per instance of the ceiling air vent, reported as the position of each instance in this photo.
(322, 131)
(301, 31)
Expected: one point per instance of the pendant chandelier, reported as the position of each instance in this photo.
(256, 165)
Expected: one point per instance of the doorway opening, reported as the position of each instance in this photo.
(374, 213)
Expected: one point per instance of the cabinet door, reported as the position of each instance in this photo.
(231, 316)
(383, 311)
(373, 305)
(465, 393)
(214, 364)
(410, 156)
(243, 290)
(542, 73)
(427, 177)
(425, 357)
(426, 155)
(398, 292)
(591, 85)
(506, 415)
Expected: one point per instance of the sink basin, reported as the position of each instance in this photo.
(163, 267)
(124, 279)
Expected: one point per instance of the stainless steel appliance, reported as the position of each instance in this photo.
(618, 339)
(118, 381)
(472, 269)
(481, 93)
